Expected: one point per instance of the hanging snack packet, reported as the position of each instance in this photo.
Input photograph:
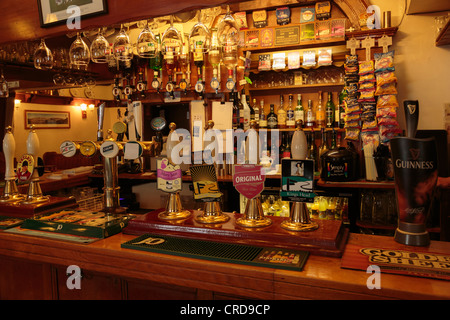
(384, 61)
(370, 125)
(369, 77)
(387, 121)
(366, 67)
(390, 112)
(366, 86)
(386, 89)
(368, 116)
(387, 100)
(367, 95)
(384, 78)
(352, 134)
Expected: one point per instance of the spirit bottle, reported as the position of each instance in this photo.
(272, 119)
(246, 110)
(330, 111)
(256, 110)
(310, 119)
(299, 113)
(281, 114)
(262, 116)
(320, 113)
(290, 121)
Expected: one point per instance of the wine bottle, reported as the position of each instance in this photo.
(272, 119)
(281, 114)
(330, 111)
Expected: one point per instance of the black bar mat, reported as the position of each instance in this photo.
(278, 258)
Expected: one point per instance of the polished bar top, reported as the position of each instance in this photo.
(321, 278)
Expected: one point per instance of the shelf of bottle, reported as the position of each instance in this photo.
(306, 86)
(316, 129)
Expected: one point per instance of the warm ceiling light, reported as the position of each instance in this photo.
(83, 106)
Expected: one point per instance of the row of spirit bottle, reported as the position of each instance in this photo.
(329, 116)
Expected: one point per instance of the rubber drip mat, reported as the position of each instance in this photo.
(278, 258)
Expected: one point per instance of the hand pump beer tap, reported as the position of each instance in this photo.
(10, 192)
(34, 194)
(205, 183)
(169, 180)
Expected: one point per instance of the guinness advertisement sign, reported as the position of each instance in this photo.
(416, 173)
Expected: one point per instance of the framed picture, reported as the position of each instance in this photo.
(47, 119)
(53, 12)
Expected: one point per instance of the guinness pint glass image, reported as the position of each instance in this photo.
(415, 173)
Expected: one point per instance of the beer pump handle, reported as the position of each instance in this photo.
(101, 115)
(33, 143)
(137, 111)
(411, 116)
(9, 149)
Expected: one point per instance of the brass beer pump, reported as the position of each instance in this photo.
(212, 211)
(299, 218)
(254, 215)
(174, 209)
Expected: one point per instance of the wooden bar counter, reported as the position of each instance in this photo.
(35, 268)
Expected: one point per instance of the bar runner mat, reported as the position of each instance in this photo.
(278, 258)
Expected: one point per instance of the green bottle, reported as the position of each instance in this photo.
(330, 112)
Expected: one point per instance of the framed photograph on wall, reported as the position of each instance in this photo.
(47, 119)
(54, 12)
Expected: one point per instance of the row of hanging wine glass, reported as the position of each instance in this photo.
(201, 39)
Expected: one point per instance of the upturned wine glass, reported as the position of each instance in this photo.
(199, 37)
(100, 49)
(146, 43)
(79, 52)
(122, 47)
(43, 57)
